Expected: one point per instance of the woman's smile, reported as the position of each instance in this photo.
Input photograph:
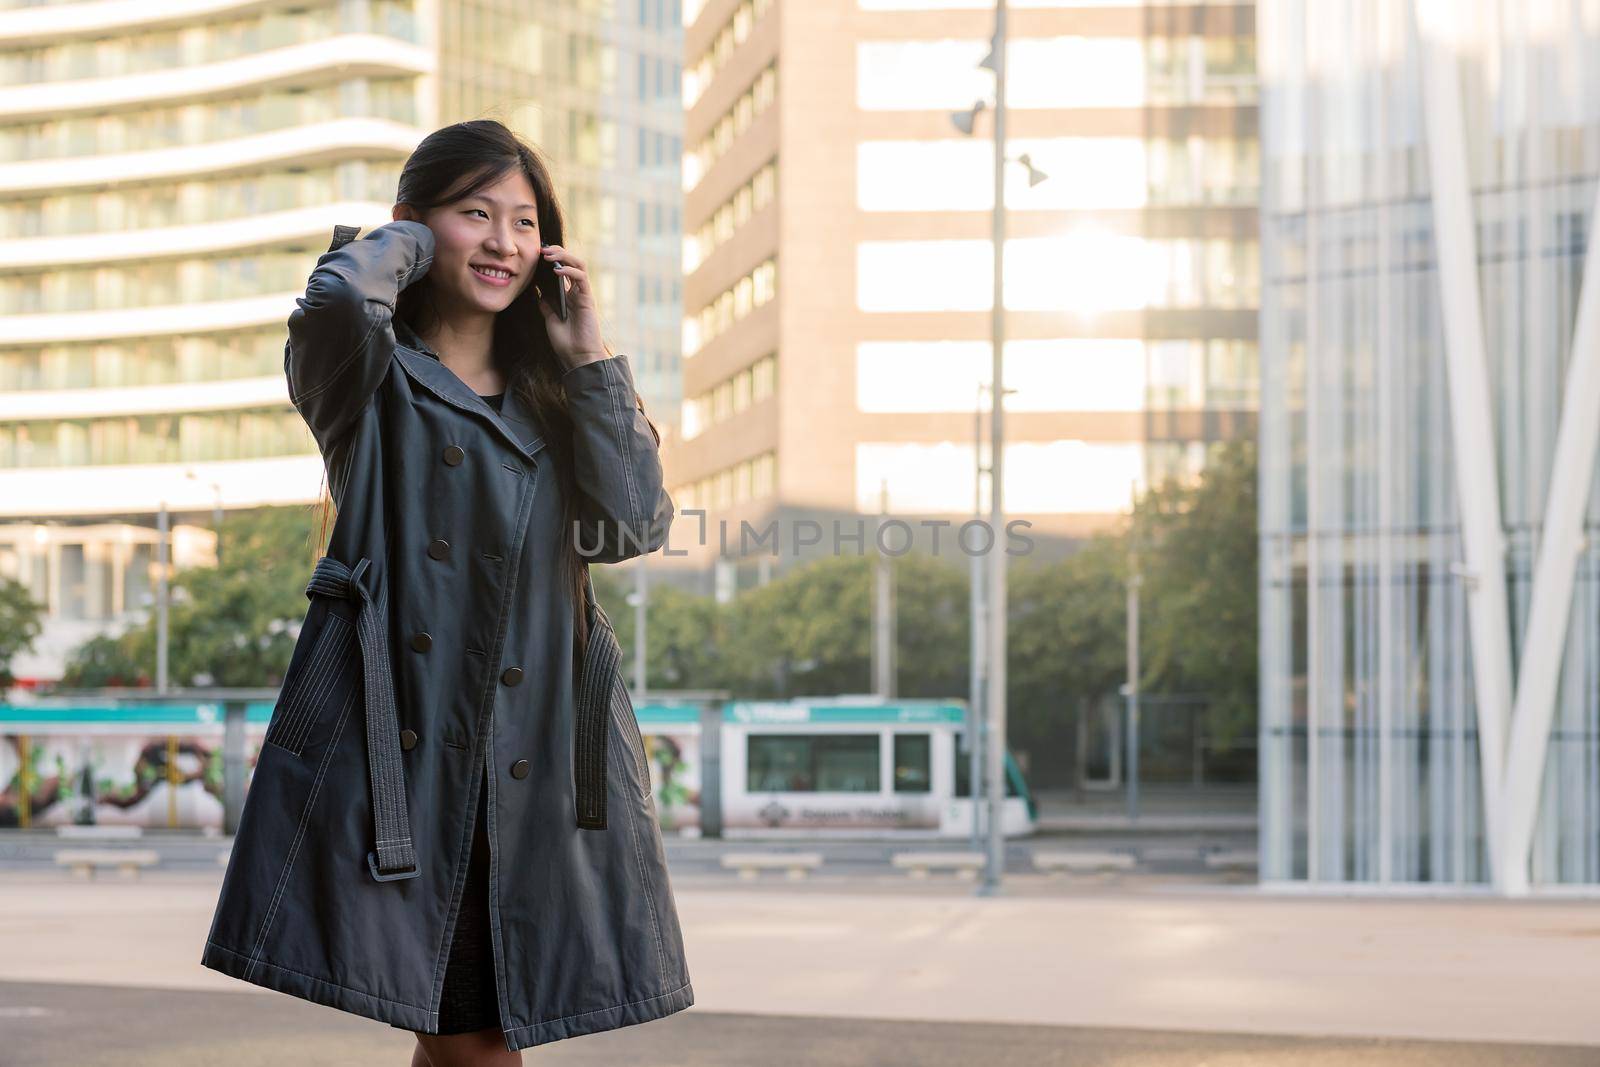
(498, 277)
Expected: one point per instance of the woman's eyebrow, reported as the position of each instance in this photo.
(486, 200)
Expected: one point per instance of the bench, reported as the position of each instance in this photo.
(128, 861)
(1078, 863)
(918, 864)
(1241, 860)
(751, 864)
(78, 832)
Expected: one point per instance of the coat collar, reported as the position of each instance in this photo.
(513, 421)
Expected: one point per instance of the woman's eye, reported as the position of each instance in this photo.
(480, 211)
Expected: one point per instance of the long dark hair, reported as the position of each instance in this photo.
(455, 162)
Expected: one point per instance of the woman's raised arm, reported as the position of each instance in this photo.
(341, 333)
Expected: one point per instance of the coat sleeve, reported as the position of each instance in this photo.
(341, 332)
(622, 504)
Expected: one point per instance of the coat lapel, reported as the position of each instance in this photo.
(513, 422)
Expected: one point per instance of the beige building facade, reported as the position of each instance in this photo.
(838, 259)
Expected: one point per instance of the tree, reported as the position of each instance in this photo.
(21, 621)
(230, 625)
(1198, 552)
(1065, 643)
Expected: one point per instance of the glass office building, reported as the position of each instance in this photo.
(1430, 606)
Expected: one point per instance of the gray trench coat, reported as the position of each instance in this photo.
(438, 640)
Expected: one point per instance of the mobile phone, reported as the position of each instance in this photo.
(549, 282)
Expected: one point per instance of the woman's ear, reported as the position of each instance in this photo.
(403, 210)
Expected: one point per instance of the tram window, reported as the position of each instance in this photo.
(913, 763)
(964, 776)
(811, 763)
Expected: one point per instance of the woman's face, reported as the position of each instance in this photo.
(496, 228)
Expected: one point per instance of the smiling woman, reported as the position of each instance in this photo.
(451, 836)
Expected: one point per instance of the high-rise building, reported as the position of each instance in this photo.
(1430, 597)
(168, 176)
(838, 257)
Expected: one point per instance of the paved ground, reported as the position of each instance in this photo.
(1149, 971)
(48, 1025)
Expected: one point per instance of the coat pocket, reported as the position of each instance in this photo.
(627, 721)
(593, 756)
(315, 681)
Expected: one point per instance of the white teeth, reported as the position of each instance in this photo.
(493, 273)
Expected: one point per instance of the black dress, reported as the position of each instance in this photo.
(469, 1000)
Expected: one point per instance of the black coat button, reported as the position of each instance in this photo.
(454, 455)
(439, 548)
(519, 769)
(512, 675)
(422, 641)
(408, 739)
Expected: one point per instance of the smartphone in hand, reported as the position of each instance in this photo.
(551, 286)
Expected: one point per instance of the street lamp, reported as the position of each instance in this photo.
(995, 666)
(965, 120)
(1035, 175)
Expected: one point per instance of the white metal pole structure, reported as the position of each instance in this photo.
(996, 660)
(1471, 406)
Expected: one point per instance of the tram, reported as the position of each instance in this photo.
(844, 766)
(829, 767)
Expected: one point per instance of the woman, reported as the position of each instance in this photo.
(450, 826)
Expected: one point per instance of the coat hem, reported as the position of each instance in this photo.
(318, 990)
(612, 1018)
(412, 1017)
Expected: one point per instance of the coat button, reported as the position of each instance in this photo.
(512, 675)
(454, 455)
(519, 769)
(438, 548)
(422, 641)
(408, 739)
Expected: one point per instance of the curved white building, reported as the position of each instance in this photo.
(169, 174)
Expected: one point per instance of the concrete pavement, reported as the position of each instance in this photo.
(113, 1026)
(1150, 957)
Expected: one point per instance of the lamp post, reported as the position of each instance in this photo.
(162, 528)
(978, 629)
(883, 628)
(995, 659)
(216, 510)
(639, 599)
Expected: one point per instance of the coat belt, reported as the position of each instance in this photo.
(394, 856)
